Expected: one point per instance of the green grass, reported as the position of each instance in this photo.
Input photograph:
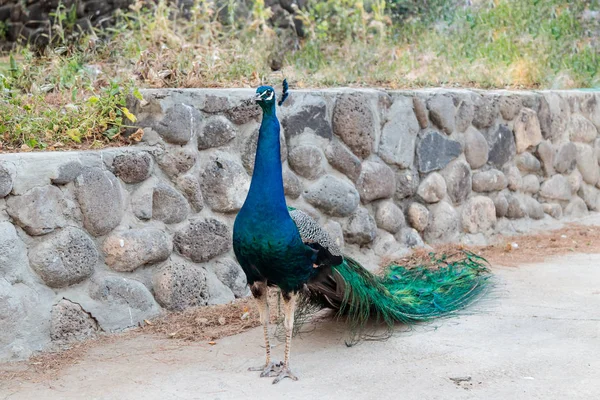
(74, 94)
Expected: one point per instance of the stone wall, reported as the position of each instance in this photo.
(102, 240)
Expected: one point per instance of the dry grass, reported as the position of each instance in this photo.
(207, 323)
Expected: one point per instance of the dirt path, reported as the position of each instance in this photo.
(537, 337)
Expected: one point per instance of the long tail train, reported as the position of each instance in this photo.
(404, 295)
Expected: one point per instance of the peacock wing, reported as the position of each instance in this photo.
(314, 236)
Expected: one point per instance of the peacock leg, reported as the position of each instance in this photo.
(289, 307)
(260, 292)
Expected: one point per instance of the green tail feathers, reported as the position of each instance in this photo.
(410, 295)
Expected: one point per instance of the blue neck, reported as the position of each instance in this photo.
(266, 188)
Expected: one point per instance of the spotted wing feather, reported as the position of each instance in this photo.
(314, 236)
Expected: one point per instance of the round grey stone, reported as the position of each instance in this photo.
(333, 196)
(502, 146)
(168, 205)
(552, 209)
(556, 188)
(216, 132)
(38, 211)
(310, 116)
(476, 148)
(129, 250)
(306, 161)
(458, 181)
(590, 108)
(513, 178)
(575, 181)
(133, 167)
(534, 209)
(420, 112)
(464, 114)
(399, 134)
(342, 159)
(353, 122)
(489, 181)
(590, 195)
(12, 315)
(218, 293)
(67, 173)
(407, 183)
(501, 205)
(527, 130)
(360, 228)
(101, 199)
(13, 254)
(190, 187)
(389, 216)
(376, 181)
(385, 245)
(433, 188)
(64, 258)
(509, 106)
(179, 124)
(215, 104)
(527, 162)
(224, 184)
(576, 208)
(581, 130)
(141, 200)
(176, 161)
(516, 208)
(244, 113)
(231, 275)
(553, 116)
(71, 323)
(443, 223)
(566, 158)
(587, 163)
(435, 151)
(202, 239)
(442, 112)
(485, 111)
(531, 184)
(130, 294)
(292, 187)
(179, 285)
(418, 216)
(410, 238)
(478, 215)
(546, 153)
(7, 175)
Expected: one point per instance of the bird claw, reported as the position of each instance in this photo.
(267, 370)
(284, 373)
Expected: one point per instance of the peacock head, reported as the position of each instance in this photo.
(265, 97)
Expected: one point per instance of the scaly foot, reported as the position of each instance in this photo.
(270, 369)
(284, 373)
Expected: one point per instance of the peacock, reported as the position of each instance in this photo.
(279, 246)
